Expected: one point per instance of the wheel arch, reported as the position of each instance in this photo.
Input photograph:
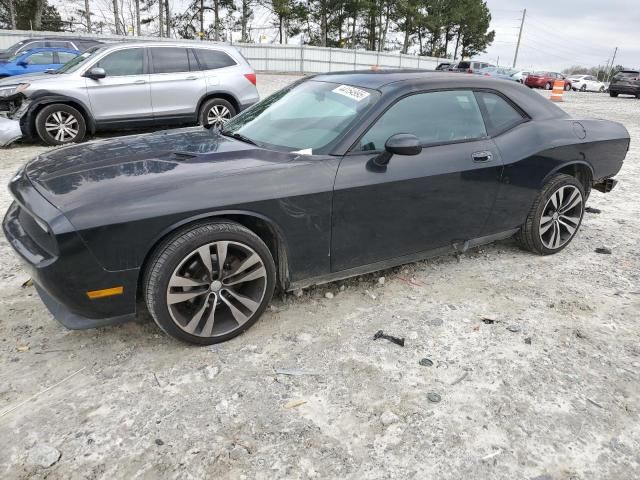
(581, 170)
(218, 94)
(38, 102)
(265, 228)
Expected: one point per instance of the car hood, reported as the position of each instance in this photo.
(121, 168)
(26, 78)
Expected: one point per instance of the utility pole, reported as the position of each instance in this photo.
(612, 64)
(515, 57)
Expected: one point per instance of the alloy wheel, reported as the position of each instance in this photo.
(216, 288)
(62, 126)
(218, 115)
(561, 217)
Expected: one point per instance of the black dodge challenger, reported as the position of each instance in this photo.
(336, 175)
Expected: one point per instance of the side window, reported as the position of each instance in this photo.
(59, 44)
(65, 57)
(212, 59)
(169, 60)
(434, 117)
(41, 58)
(501, 116)
(123, 62)
(193, 62)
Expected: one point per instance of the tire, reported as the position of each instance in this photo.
(177, 271)
(613, 94)
(547, 86)
(601, 90)
(567, 87)
(583, 88)
(57, 114)
(216, 108)
(542, 228)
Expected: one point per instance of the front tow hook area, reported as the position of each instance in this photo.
(606, 185)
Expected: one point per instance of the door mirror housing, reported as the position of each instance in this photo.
(96, 73)
(22, 63)
(399, 144)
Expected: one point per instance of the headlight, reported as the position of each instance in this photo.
(12, 89)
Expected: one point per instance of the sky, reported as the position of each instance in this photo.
(561, 33)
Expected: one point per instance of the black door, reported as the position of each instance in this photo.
(416, 203)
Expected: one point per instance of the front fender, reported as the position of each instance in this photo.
(41, 98)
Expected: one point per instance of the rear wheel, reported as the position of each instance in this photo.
(555, 217)
(59, 124)
(209, 283)
(216, 112)
(547, 86)
(613, 94)
(583, 88)
(567, 87)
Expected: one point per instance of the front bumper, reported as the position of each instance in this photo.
(62, 266)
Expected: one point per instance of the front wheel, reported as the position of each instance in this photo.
(209, 283)
(567, 87)
(216, 112)
(60, 124)
(555, 217)
(583, 88)
(613, 94)
(547, 86)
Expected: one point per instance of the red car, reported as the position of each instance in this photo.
(545, 80)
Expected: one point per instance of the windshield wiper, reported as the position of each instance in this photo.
(238, 136)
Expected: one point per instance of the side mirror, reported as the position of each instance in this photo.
(22, 63)
(399, 144)
(96, 73)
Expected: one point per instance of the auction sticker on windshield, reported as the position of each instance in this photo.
(351, 92)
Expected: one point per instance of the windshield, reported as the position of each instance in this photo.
(13, 48)
(75, 64)
(308, 116)
(15, 57)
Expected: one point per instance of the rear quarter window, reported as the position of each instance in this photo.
(213, 59)
(499, 114)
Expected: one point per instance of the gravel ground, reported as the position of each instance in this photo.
(549, 390)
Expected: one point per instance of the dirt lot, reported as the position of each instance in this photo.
(551, 390)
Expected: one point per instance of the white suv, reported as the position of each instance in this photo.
(131, 85)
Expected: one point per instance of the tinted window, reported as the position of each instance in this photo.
(212, 59)
(60, 44)
(31, 45)
(169, 60)
(500, 114)
(42, 58)
(464, 65)
(436, 117)
(65, 57)
(629, 74)
(123, 62)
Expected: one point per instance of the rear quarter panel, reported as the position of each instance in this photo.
(535, 150)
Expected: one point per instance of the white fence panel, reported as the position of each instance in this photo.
(270, 57)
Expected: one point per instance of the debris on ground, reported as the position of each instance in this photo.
(603, 250)
(527, 340)
(294, 403)
(488, 321)
(28, 283)
(491, 455)
(433, 397)
(388, 418)
(593, 402)
(580, 334)
(592, 210)
(159, 442)
(23, 348)
(391, 338)
(459, 379)
(381, 281)
(426, 362)
(328, 295)
(295, 372)
(371, 295)
(43, 456)
(514, 328)
(298, 293)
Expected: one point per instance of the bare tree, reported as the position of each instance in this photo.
(37, 14)
(116, 17)
(160, 15)
(137, 16)
(12, 14)
(167, 17)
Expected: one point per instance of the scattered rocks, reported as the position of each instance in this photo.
(328, 295)
(592, 210)
(426, 362)
(388, 418)
(514, 328)
(527, 340)
(371, 295)
(298, 293)
(435, 322)
(43, 456)
(603, 250)
(238, 452)
(381, 281)
(580, 334)
(159, 442)
(488, 321)
(433, 397)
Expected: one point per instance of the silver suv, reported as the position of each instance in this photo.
(131, 85)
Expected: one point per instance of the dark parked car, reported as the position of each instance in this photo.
(80, 44)
(336, 175)
(545, 80)
(626, 82)
(469, 66)
(444, 66)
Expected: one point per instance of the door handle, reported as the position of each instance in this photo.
(140, 82)
(191, 78)
(481, 156)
